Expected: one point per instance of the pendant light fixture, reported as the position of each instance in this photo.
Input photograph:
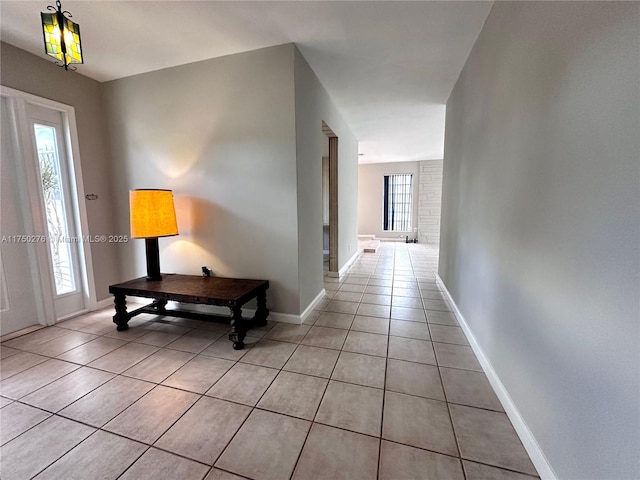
(61, 36)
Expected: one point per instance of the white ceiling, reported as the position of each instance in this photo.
(389, 66)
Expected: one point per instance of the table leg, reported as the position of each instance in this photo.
(121, 318)
(262, 312)
(238, 329)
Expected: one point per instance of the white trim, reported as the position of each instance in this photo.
(224, 312)
(307, 311)
(100, 304)
(527, 438)
(82, 220)
(73, 151)
(284, 318)
(5, 306)
(32, 214)
(346, 266)
(73, 315)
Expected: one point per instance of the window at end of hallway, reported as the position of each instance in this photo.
(398, 192)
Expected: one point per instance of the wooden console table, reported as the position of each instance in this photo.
(227, 292)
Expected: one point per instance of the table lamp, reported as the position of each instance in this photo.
(152, 216)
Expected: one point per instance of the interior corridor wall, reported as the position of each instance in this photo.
(540, 226)
(221, 134)
(313, 106)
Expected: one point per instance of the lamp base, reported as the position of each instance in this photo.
(153, 259)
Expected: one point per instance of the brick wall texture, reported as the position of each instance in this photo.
(429, 202)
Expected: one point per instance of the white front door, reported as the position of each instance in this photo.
(46, 129)
(17, 256)
(45, 259)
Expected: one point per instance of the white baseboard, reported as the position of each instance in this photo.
(72, 315)
(107, 302)
(246, 312)
(347, 265)
(285, 318)
(526, 436)
(307, 311)
(297, 319)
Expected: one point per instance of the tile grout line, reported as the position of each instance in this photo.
(455, 437)
(30, 428)
(384, 384)
(324, 392)
(322, 398)
(216, 397)
(135, 461)
(254, 407)
(65, 453)
(42, 386)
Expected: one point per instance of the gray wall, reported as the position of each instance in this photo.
(540, 223)
(221, 133)
(38, 76)
(312, 106)
(370, 196)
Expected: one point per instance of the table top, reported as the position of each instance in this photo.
(193, 288)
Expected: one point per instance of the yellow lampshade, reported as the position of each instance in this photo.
(152, 213)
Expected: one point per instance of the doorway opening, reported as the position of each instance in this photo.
(46, 258)
(332, 200)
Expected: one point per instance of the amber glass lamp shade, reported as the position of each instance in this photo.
(153, 215)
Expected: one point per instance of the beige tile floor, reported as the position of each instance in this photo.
(379, 383)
